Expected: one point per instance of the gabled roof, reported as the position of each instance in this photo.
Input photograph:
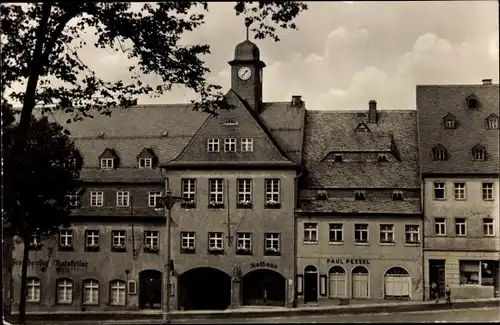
(395, 131)
(362, 127)
(478, 147)
(492, 115)
(146, 153)
(449, 116)
(432, 100)
(408, 206)
(438, 146)
(108, 153)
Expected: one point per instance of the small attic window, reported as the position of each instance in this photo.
(321, 195)
(449, 124)
(338, 157)
(107, 163)
(492, 122)
(145, 162)
(439, 153)
(397, 195)
(70, 163)
(362, 128)
(359, 195)
(382, 157)
(146, 159)
(230, 122)
(108, 159)
(472, 102)
(478, 153)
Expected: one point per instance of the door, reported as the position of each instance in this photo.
(360, 282)
(150, 286)
(337, 282)
(310, 284)
(436, 274)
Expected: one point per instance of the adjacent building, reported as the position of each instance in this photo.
(459, 163)
(359, 225)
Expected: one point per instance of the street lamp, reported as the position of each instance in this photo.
(168, 202)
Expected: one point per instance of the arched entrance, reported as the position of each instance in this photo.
(264, 287)
(310, 284)
(204, 288)
(397, 283)
(337, 277)
(360, 282)
(150, 288)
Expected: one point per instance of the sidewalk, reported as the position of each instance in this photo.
(262, 312)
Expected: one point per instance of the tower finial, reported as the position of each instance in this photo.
(247, 25)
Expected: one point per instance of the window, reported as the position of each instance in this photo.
(151, 240)
(215, 242)
(145, 162)
(440, 226)
(230, 145)
(439, 153)
(230, 122)
(478, 153)
(412, 234)
(66, 239)
(154, 199)
(216, 193)
(459, 191)
(449, 124)
(359, 195)
(382, 157)
(310, 233)
(117, 293)
(118, 242)
(188, 241)
(361, 233)
(439, 191)
(488, 227)
(74, 200)
(272, 192)
(397, 195)
(244, 243)
(64, 291)
(472, 103)
(247, 145)
(460, 227)
(189, 193)
(107, 162)
(70, 163)
(493, 123)
(271, 243)
(487, 268)
(469, 272)
(244, 193)
(91, 239)
(122, 199)
(33, 287)
(90, 292)
(96, 199)
(338, 157)
(35, 242)
(336, 233)
(386, 234)
(213, 145)
(487, 191)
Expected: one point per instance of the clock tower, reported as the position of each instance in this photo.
(246, 74)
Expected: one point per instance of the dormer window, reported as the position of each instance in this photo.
(472, 102)
(359, 195)
(439, 153)
(382, 157)
(70, 163)
(231, 122)
(146, 159)
(397, 195)
(492, 122)
(107, 163)
(338, 157)
(478, 153)
(449, 121)
(145, 162)
(362, 127)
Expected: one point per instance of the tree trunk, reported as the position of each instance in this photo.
(24, 275)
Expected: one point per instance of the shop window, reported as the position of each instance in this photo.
(477, 272)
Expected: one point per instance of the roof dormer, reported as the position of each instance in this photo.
(492, 122)
(478, 152)
(108, 159)
(439, 153)
(75, 161)
(471, 102)
(450, 121)
(362, 127)
(146, 159)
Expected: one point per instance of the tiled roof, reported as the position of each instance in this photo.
(408, 206)
(433, 103)
(132, 175)
(328, 131)
(119, 212)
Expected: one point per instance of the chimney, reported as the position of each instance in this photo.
(296, 100)
(487, 82)
(372, 111)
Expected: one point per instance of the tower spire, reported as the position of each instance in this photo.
(247, 25)
(247, 31)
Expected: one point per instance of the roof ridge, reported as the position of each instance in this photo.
(352, 111)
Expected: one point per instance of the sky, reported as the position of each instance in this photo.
(347, 53)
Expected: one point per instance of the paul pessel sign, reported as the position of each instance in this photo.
(347, 261)
(69, 264)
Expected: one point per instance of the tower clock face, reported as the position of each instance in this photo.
(244, 73)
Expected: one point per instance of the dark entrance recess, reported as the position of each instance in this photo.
(150, 288)
(264, 287)
(204, 288)
(436, 274)
(310, 284)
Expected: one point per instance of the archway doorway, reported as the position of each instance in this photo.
(360, 282)
(397, 283)
(264, 287)
(204, 288)
(150, 287)
(337, 282)
(310, 284)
